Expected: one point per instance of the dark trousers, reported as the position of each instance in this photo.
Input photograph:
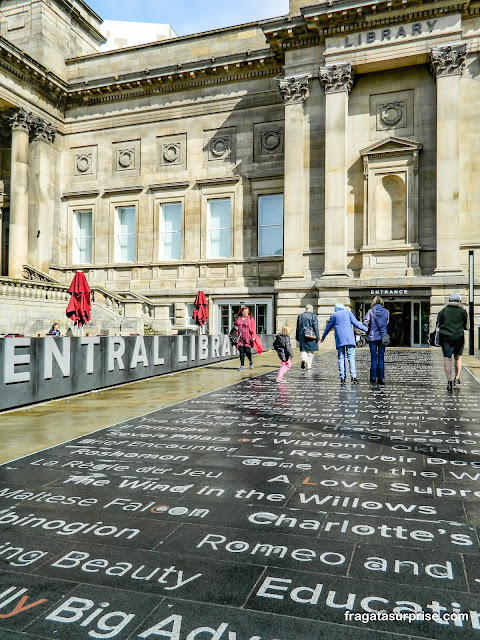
(377, 362)
(244, 351)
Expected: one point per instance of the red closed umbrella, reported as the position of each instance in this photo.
(200, 312)
(80, 303)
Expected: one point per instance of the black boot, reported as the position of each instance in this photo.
(449, 385)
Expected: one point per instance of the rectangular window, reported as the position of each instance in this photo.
(190, 307)
(82, 245)
(171, 231)
(171, 313)
(125, 234)
(219, 228)
(270, 225)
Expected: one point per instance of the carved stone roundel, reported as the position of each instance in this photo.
(84, 162)
(271, 140)
(391, 113)
(171, 152)
(126, 158)
(219, 147)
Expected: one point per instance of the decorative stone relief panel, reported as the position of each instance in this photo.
(268, 141)
(172, 152)
(126, 156)
(84, 162)
(220, 145)
(392, 112)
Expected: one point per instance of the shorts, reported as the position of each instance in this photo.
(452, 345)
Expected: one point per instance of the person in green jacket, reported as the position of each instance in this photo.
(452, 322)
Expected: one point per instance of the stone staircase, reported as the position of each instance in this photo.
(31, 305)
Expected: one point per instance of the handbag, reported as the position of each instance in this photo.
(385, 336)
(309, 333)
(434, 337)
(234, 339)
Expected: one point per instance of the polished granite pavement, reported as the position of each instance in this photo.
(256, 511)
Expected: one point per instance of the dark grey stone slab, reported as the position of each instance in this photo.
(260, 548)
(46, 521)
(26, 598)
(357, 603)
(190, 619)
(407, 532)
(155, 573)
(437, 569)
(94, 612)
(410, 505)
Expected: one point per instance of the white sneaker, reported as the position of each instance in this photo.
(241, 368)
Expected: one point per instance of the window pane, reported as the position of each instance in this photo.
(219, 213)
(172, 216)
(171, 234)
(270, 209)
(172, 246)
(219, 228)
(171, 313)
(82, 247)
(84, 223)
(270, 225)
(220, 244)
(190, 309)
(270, 241)
(126, 220)
(125, 245)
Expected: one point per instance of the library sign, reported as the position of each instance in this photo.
(38, 369)
(394, 34)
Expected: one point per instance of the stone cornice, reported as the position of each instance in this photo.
(206, 182)
(343, 16)
(177, 77)
(145, 82)
(165, 186)
(80, 194)
(30, 72)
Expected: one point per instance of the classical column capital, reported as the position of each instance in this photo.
(43, 130)
(21, 120)
(294, 89)
(448, 60)
(337, 78)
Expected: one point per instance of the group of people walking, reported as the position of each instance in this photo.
(451, 323)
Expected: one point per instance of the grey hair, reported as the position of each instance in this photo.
(309, 307)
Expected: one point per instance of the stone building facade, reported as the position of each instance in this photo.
(316, 157)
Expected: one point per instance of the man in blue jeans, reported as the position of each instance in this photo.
(342, 321)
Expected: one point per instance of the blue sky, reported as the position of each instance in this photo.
(190, 16)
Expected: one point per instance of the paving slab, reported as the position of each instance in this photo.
(255, 511)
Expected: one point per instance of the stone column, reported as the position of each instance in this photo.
(337, 82)
(294, 92)
(18, 240)
(40, 219)
(447, 65)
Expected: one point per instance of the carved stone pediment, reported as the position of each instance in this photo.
(392, 145)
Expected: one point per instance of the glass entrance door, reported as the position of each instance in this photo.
(420, 318)
(228, 314)
(408, 325)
